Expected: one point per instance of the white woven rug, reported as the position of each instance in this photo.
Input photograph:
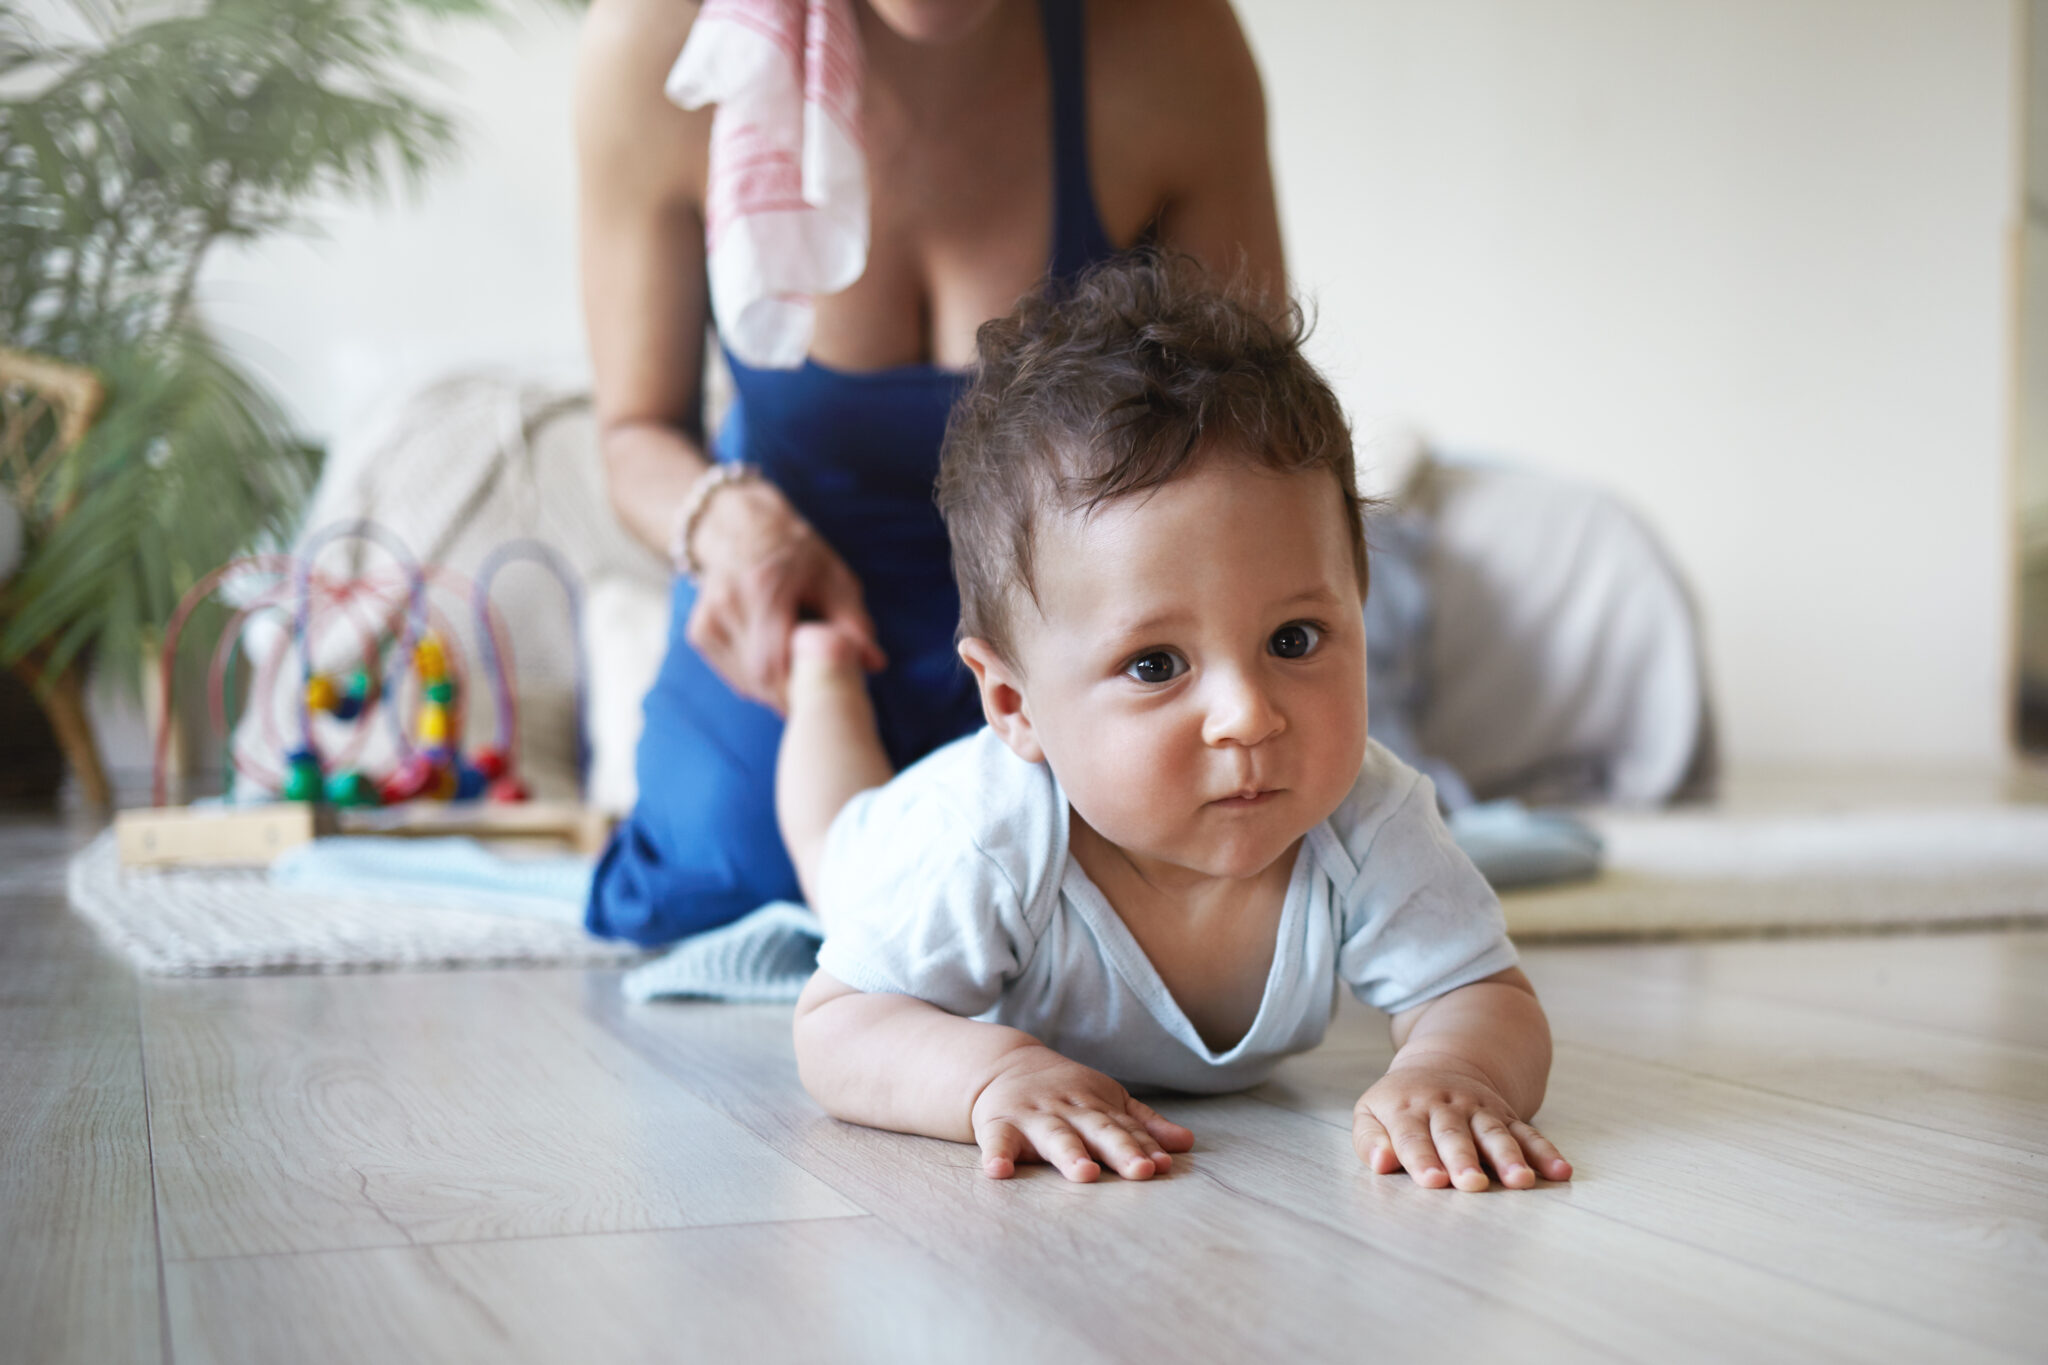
(1687, 873)
(192, 922)
(1674, 874)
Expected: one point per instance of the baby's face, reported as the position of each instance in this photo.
(1196, 676)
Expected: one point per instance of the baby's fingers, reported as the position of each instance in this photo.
(1002, 1147)
(1549, 1162)
(1417, 1151)
(1058, 1143)
(1453, 1137)
(1128, 1154)
(1369, 1139)
(1503, 1152)
(1169, 1135)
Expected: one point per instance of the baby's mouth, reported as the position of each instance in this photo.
(1249, 796)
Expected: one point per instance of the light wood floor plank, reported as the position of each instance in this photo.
(1178, 1268)
(1808, 1149)
(1935, 1078)
(1630, 1283)
(1976, 985)
(78, 1250)
(1947, 1231)
(1637, 1292)
(842, 1289)
(316, 1113)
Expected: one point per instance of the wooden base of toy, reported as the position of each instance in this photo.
(246, 836)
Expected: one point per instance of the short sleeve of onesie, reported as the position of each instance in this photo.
(1417, 920)
(937, 878)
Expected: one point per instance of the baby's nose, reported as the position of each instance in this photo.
(1240, 712)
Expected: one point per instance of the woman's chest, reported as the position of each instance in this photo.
(964, 200)
(959, 228)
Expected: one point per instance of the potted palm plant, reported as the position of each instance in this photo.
(132, 143)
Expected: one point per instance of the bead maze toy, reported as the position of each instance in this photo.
(403, 686)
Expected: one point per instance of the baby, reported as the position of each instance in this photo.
(1173, 839)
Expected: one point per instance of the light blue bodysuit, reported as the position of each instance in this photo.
(954, 883)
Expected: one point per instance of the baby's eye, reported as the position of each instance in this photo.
(1156, 667)
(1295, 640)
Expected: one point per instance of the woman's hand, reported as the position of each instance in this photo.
(764, 569)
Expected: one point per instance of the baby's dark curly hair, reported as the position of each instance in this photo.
(1115, 387)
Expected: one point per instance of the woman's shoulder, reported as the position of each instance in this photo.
(1177, 127)
(628, 133)
(1203, 36)
(652, 30)
(1162, 61)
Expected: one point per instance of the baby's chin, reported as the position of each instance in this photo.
(1229, 854)
(1240, 862)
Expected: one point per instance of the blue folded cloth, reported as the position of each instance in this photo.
(443, 874)
(1514, 846)
(767, 955)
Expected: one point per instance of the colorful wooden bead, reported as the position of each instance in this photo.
(302, 779)
(508, 790)
(429, 659)
(407, 781)
(433, 726)
(350, 788)
(354, 697)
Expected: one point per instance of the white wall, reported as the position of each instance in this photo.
(478, 268)
(1743, 260)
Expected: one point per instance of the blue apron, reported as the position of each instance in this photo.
(856, 455)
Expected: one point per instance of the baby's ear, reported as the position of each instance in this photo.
(1002, 698)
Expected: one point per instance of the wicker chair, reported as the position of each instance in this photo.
(46, 407)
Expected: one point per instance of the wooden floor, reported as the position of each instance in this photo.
(1797, 1150)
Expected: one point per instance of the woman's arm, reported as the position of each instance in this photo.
(1192, 129)
(640, 173)
(641, 170)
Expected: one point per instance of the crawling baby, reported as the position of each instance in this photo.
(1173, 840)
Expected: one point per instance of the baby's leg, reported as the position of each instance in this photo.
(831, 750)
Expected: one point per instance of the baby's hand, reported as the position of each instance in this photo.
(1440, 1119)
(1043, 1106)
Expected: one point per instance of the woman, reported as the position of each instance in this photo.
(1006, 139)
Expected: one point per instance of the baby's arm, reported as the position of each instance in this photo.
(1469, 1068)
(897, 1062)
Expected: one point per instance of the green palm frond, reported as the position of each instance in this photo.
(123, 161)
(134, 157)
(191, 457)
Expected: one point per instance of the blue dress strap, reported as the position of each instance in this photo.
(1078, 240)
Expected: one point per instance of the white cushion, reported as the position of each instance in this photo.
(1564, 654)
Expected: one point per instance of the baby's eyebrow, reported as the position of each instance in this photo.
(1319, 593)
(1147, 625)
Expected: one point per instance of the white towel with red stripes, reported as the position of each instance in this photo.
(786, 206)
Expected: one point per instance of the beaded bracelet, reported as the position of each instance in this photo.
(691, 513)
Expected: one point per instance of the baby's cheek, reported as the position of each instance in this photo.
(1334, 748)
(1131, 791)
